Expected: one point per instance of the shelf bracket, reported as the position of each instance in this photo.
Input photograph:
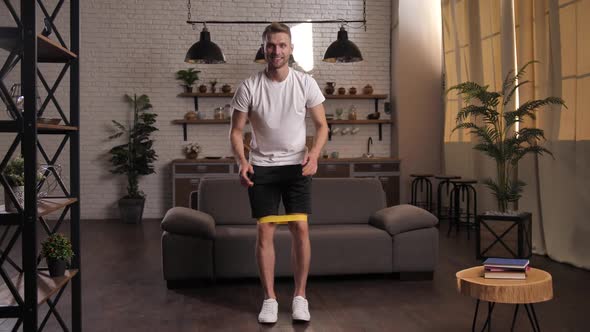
(376, 105)
(184, 130)
(329, 131)
(380, 133)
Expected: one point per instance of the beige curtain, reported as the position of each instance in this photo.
(555, 33)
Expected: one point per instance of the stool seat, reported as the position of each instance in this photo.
(446, 177)
(464, 181)
(418, 175)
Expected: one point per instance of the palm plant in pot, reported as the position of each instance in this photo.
(57, 250)
(494, 123)
(189, 77)
(135, 156)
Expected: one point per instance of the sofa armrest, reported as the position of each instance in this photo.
(402, 218)
(185, 221)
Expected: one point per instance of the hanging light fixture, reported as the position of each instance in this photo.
(259, 58)
(343, 50)
(204, 51)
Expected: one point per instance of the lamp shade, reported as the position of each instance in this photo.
(259, 58)
(343, 50)
(204, 51)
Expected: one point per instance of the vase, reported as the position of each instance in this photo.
(202, 88)
(57, 267)
(192, 155)
(330, 88)
(341, 91)
(226, 88)
(352, 91)
(368, 89)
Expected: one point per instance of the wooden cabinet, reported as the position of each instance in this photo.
(187, 175)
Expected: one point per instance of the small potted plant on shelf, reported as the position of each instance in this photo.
(493, 122)
(57, 250)
(191, 150)
(189, 77)
(135, 157)
(14, 173)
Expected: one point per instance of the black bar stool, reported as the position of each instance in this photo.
(422, 180)
(444, 183)
(463, 203)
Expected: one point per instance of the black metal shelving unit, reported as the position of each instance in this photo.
(27, 286)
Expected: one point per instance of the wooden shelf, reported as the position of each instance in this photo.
(48, 128)
(202, 121)
(47, 49)
(46, 287)
(51, 51)
(346, 122)
(231, 94)
(206, 95)
(47, 205)
(355, 96)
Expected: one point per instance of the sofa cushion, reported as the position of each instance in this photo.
(366, 248)
(226, 200)
(185, 221)
(345, 201)
(403, 218)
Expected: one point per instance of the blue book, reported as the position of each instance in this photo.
(506, 263)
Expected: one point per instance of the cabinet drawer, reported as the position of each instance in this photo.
(376, 167)
(333, 171)
(195, 168)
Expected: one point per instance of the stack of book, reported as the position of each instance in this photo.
(505, 268)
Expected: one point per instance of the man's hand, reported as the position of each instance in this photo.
(310, 164)
(245, 168)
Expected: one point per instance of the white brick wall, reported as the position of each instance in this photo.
(136, 47)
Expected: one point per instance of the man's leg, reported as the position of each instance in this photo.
(300, 255)
(265, 255)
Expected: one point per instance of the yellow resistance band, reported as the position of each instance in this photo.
(284, 218)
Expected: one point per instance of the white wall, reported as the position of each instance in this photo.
(417, 87)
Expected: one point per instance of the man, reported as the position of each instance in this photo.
(275, 101)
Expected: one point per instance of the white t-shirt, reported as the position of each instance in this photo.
(276, 111)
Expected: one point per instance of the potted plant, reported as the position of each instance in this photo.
(191, 150)
(189, 77)
(501, 141)
(57, 250)
(135, 156)
(14, 173)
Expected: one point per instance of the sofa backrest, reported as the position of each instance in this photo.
(334, 201)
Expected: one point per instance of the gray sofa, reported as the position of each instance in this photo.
(351, 232)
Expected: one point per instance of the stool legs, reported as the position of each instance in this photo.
(422, 182)
(530, 309)
(462, 193)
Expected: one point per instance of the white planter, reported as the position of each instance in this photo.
(19, 193)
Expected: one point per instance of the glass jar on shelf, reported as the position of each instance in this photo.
(352, 113)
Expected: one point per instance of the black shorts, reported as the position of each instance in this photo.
(273, 183)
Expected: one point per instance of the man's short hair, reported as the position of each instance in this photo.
(276, 27)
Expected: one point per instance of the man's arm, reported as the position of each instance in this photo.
(310, 162)
(238, 122)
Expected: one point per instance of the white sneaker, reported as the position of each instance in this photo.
(269, 311)
(300, 309)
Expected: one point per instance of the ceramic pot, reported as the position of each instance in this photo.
(202, 88)
(226, 88)
(368, 89)
(341, 91)
(352, 91)
(57, 267)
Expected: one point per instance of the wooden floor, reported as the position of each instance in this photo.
(123, 290)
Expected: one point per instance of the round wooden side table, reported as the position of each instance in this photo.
(537, 287)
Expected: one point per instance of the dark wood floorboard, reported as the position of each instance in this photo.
(123, 290)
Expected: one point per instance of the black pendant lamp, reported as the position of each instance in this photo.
(343, 50)
(259, 58)
(205, 51)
